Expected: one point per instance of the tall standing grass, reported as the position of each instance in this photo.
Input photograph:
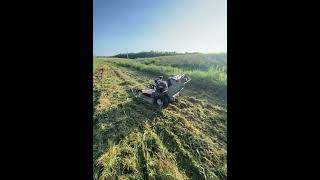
(96, 62)
(214, 77)
(190, 62)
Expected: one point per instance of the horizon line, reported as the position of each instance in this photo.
(181, 52)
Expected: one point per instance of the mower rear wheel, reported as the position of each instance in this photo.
(162, 101)
(166, 100)
(159, 102)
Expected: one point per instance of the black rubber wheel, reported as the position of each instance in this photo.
(162, 101)
(158, 102)
(165, 99)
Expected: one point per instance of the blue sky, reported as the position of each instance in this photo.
(161, 25)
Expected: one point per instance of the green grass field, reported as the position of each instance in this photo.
(96, 62)
(136, 140)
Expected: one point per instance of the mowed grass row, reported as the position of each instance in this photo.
(214, 78)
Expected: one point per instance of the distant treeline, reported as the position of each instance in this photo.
(149, 54)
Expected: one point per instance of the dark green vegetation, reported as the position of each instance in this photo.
(148, 54)
(135, 140)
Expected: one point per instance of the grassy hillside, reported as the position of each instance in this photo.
(135, 140)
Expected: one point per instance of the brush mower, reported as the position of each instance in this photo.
(163, 92)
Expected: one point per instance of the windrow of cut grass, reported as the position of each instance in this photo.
(214, 78)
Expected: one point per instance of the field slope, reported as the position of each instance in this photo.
(135, 140)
